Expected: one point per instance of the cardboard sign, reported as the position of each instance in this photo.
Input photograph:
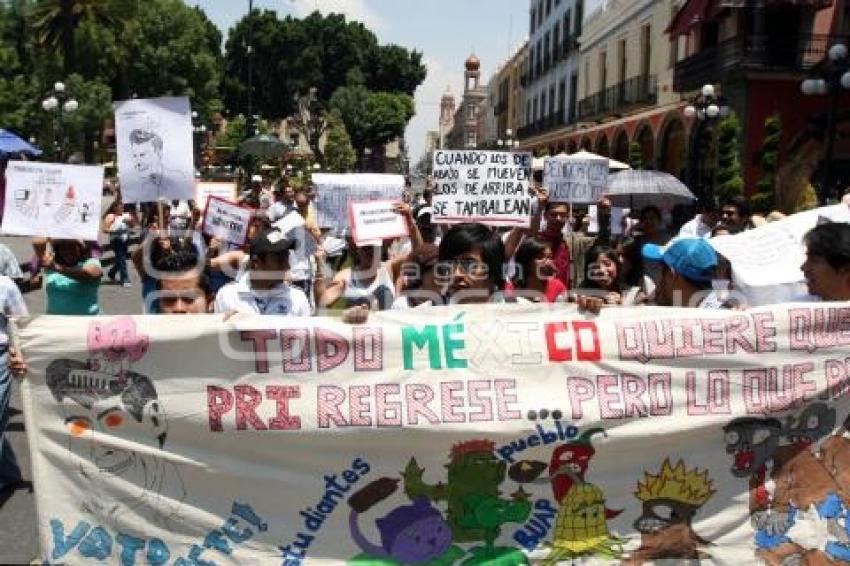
(375, 221)
(335, 191)
(491, 187)
(227, 221)
(207, 189)
(579, 181)
(498, 434)
(155, 154)
(53, 200)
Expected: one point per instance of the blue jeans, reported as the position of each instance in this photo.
(9, 470)
(121, 251)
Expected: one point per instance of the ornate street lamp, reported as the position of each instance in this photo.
(834, 77)
(59, 101)
(509, 142)
(706, 108)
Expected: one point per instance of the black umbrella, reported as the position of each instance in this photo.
(263, 145)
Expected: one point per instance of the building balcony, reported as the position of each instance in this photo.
(750, 53)
(541, 126)
(620, 98)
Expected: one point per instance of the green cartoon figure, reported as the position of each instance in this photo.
(475, 510)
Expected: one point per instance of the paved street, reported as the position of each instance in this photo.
(18, 538)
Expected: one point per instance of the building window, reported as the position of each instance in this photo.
(540, 14)
(621, 47)
(556, 42)
(646, 49)
(551, 100)
(531, 27)
(562, 97)
(587, 76)
(471, 112)
(527, 111)
(603, 70)
(295, 140)
(573, 96)
(674, 41)
(534, 111)
(567, 22)
(471, 139)
(557, 2)
(548, 7)
(579, 16)
(543, 105)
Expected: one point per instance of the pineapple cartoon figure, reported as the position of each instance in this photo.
(581, 527)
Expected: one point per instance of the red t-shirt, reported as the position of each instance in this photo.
(554, 289)
(561, 256)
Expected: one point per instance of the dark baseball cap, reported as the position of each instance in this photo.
(271, 242)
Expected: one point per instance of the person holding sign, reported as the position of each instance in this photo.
(261, 289)
(370, 283)
(72, 279)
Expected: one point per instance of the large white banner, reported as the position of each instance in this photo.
(335, 190)
(155, 154)
(52, 200)
(491, 187)
(501, 435)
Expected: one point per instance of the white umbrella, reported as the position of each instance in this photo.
(613, 164)
(636, 189)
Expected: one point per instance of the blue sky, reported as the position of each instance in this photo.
(445, 31)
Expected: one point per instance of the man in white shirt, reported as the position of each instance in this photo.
(703, 223)
(261, 289)
(827, 265)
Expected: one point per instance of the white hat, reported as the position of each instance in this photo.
(425, 210)
(256, 179)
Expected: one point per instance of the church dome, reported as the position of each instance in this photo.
(472, 63)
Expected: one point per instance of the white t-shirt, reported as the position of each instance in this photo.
(11, 304)
(695, 228)
(281, 300)
(292, 225)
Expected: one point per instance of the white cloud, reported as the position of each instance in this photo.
(352, 9)
(427, 98)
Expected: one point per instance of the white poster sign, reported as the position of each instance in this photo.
(766, 260)
(580, 181)
(334, 191)
(470, 435)
(227, 221)
(53, 200)
(491, 187)
(375, 221)
(155, 154)
(207, 189)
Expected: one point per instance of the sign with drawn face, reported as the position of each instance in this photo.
(52, 200)
(155, 155)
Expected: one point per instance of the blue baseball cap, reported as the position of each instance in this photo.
(692, 258)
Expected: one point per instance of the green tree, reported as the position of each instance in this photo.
(765, 198)
(729, 176)
(339, 155)
(54, 23)
(173, 49)
(372, 118)
(635, 156)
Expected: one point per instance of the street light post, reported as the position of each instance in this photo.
(508, 143)
(835, 77)
(199, 130)
(59, 101)
(706, 108)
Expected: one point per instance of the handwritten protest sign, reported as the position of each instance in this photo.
(227, 221)
(154, 142)
(578, 181)
(52, 200)
(491, 187)
(509, 434)
(207, 189)
(335, 191)
(375, 221)
(766, 260)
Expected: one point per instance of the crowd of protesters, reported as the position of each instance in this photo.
(291, 266)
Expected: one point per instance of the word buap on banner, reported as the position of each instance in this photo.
(491, 187)
(508, 435)
(580, 181)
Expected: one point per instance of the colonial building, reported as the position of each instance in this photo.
(447, 117)
(468, 124)
(551, 80)
(510, 96)
(758, 54)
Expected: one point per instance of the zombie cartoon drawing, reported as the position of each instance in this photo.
(671, 498)
(100, 412)
(410, 534)
(476, 512)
